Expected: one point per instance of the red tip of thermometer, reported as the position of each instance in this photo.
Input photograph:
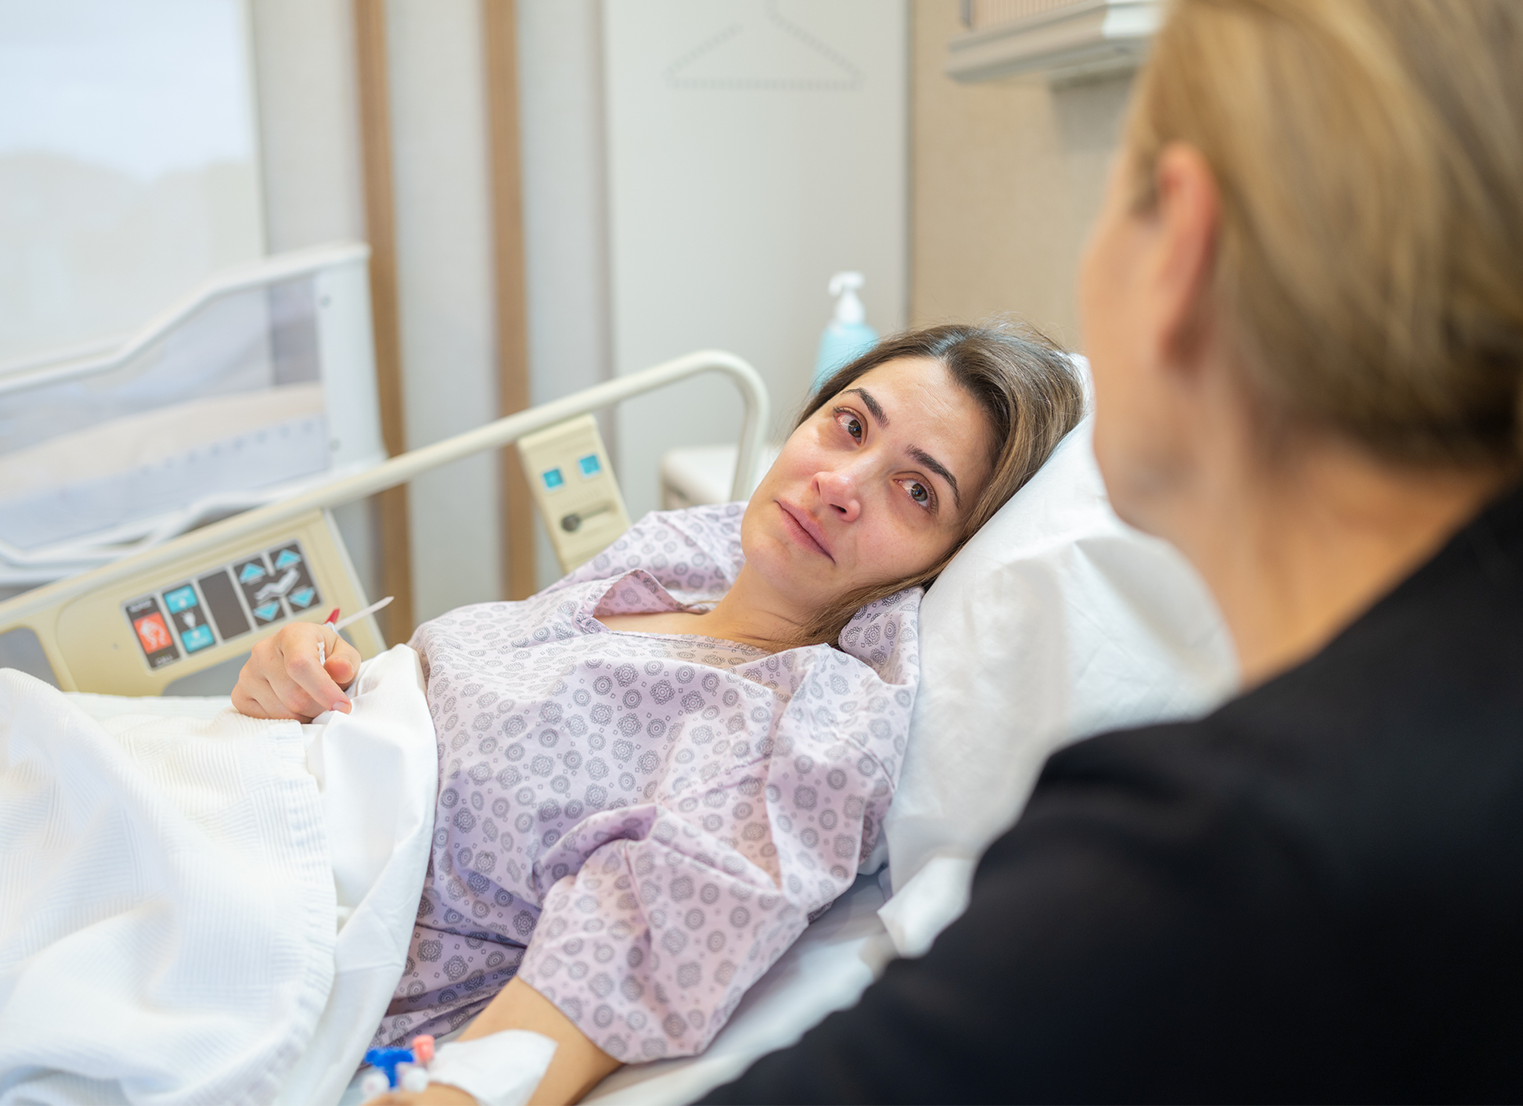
(332, 617)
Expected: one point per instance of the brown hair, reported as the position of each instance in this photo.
(1370, 254)
(1027, 388)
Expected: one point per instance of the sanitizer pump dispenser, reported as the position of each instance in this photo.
(848, 336)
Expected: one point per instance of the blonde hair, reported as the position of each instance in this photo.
(1369, 157)
(1027, 389)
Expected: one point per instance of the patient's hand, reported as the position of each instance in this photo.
(577, 1067)
(282, 678)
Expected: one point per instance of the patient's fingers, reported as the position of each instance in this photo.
(294, 700)
(316, 687)
(273, 706)
(343, 659)
(283, 678)
(256, 698)
(253, 695)
(247, 701)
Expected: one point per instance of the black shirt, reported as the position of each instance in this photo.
(1314, 893)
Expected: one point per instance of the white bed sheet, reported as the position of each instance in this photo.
(166, 910)
(378, 768)
(200, 785)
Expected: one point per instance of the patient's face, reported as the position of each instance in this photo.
(872, 488)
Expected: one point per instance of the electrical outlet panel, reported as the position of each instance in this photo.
(574, 488)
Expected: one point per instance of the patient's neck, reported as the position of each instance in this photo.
(1296, 550)
(753, 612)
(750, 613)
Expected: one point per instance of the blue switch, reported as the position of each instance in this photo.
(197, 637)
(180, 598)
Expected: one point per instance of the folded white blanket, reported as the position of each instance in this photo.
(167, 891)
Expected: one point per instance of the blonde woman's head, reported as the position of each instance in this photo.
(1368, 162)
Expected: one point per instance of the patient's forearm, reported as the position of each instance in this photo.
(578, 1064)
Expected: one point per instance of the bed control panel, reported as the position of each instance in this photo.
(574, 488)
(218, 606)
(193, 606)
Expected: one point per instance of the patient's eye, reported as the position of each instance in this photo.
(918, 491)
(850, 423)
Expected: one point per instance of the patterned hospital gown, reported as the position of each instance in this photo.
(640, 824)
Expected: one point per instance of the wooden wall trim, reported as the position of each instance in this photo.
(500, 33)
(380, 230)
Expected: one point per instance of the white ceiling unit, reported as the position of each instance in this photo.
(1063, 40)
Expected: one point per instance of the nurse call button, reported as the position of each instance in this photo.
(152, 632)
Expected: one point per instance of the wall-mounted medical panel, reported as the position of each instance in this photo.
(574, 488)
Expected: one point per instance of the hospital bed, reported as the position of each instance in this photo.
(122, 629)
(1094, 626)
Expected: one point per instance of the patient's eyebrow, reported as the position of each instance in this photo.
(872, 405)
(939, 469)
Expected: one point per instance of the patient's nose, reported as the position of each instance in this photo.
(839, 491)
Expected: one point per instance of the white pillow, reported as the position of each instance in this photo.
(1055, 622)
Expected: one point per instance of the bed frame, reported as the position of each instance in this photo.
(93, 632)
(82, 640)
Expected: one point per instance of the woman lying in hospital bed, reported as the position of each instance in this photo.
(655, 771)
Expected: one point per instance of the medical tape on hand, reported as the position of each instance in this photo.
(497, 1070)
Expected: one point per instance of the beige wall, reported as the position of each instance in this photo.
(1005, 178)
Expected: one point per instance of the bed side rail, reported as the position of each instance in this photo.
(95, 631)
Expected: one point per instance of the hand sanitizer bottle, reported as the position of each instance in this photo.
(848, 336)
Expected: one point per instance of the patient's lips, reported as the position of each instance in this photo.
(804, 530)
